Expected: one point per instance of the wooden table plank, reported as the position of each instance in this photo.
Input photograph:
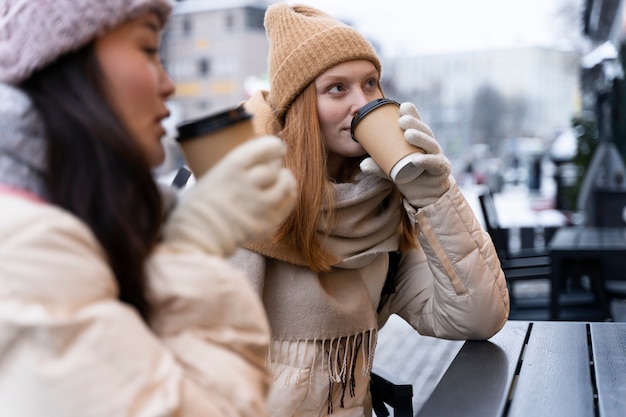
(614, 237)
(590, 238)
(555, 376)
(477, 381)
(564, 238)
(609, 355)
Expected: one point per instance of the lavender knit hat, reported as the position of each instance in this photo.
(34, 33)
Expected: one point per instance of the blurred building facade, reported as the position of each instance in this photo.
(211, 49)
(520, 92)
(216, 53)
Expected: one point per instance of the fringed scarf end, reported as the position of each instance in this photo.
(338, 361)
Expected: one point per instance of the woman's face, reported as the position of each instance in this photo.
(341, 92)
(136, 83)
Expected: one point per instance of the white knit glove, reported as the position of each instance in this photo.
(431, 184)
(244, 197)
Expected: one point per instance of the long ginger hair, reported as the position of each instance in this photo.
(306, 158)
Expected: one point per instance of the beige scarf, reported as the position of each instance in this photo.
(332, 312)
(337, 303)
(367, 222)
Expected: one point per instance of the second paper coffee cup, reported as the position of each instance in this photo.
(206, 140)
(375, 127)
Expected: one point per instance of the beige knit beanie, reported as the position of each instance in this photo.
(34, 33)
(305, 42)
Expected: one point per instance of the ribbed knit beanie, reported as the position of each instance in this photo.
(303, 43)
(34, 33)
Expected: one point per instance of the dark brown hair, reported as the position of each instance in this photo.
(95, 169)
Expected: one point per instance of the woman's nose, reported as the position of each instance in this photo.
(360, 100)
(167, 84)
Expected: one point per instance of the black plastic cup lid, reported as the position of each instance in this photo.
(369, 107)
(193, 128)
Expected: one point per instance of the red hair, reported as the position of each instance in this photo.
(306, 158)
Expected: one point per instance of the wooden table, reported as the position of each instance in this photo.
(596, 247)
(551, 369)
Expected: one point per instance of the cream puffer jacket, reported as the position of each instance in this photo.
(452, 286)
(69, 347)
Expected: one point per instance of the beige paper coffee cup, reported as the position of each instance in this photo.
(206, 140)
(375, 127)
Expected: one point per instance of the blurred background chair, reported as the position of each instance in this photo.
(524, 265)
(609, 208)
(580, 293)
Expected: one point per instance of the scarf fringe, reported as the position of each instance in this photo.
(338, 362)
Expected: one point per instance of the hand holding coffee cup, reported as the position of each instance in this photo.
(243, 198)
(376, 127)
(434, 181)
(206, 140)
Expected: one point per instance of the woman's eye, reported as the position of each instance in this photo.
(336, 89)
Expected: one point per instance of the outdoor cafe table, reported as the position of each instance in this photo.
(580, 245)
(532, 369)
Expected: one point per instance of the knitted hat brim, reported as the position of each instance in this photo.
(34, 33)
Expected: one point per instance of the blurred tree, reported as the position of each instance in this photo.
(488, 117)
(517, 110)
(568, 22)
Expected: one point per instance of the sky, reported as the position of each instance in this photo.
(403, 27)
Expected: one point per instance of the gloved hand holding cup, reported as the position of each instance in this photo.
(422, 175)
(375, 126)
(242, 193)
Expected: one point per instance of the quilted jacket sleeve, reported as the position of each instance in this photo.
(68, 347)
(451, 287)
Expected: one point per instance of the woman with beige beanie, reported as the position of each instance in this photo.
(322, 275)
(111, 305)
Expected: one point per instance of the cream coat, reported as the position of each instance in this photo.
(69, 348)
(452, 287)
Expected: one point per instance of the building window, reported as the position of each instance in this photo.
(254, 18)
(230, 21)
(202, 105)
(204, 66)
(187, 26)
